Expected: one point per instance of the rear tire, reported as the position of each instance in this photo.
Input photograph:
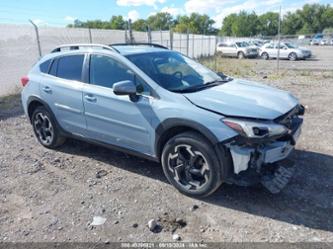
(240, 55)
(191, 165)
(46, 129)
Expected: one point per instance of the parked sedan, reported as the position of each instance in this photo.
(287, 51)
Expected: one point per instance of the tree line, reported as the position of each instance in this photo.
(311, 18)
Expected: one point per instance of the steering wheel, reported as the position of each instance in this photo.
(178, 75)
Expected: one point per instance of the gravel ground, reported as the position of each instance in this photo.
(53, 195)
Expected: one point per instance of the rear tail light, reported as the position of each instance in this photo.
(24, 80)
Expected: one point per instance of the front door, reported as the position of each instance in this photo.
(111, 118)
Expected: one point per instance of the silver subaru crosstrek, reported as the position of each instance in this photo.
(204, 127)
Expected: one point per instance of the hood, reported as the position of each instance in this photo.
(244, 98)
(304, 49)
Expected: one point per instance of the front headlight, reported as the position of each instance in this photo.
(253, 129)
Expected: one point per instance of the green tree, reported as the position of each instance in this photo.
(196, 23)
(139, 25)
(291, 23)
(245, 24)
(268, 24)
(312, 18)
(161, 20)
(117, 22)
(227, 25)
(241, 24)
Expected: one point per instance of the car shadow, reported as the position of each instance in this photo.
(306, 201)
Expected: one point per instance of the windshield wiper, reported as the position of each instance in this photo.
(203, 86)
(226, 79)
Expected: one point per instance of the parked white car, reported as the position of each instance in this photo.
(237, 49)
(287, 51)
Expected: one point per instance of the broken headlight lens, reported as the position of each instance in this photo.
(254, 129)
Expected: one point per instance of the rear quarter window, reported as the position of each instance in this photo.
(44, 67)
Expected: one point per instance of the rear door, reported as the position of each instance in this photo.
(271, 50)
(61, 88)
(231, 49)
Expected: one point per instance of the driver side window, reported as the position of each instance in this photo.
(105, 71)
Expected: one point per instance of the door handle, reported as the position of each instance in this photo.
(47, 89)
(90, 98)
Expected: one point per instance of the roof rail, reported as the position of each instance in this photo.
(139, 44)
(77, 46)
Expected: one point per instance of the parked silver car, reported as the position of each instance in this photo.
(237, 49)
(287, 51)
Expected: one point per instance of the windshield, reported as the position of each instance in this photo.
(290, 45)
(242, 44)
(174, 71)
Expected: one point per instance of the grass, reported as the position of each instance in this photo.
(229, 66)
(248, 68)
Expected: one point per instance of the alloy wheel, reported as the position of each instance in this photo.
(292, 57)
(43, 128)
(189, 167)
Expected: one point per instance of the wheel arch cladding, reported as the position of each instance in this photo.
(33, 103)
(174, 126)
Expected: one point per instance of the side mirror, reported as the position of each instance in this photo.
(126, 87)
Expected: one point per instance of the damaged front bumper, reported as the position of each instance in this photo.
(264, 160)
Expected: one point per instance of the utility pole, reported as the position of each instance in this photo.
(279, 41)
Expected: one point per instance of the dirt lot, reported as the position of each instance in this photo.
(48, 195)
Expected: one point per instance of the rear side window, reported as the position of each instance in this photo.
(44, 67)
(70, 67)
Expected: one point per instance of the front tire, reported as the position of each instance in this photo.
(190, 164)
(46, 129)
(265, 56)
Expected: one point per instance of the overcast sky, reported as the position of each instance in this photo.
(62, 12)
